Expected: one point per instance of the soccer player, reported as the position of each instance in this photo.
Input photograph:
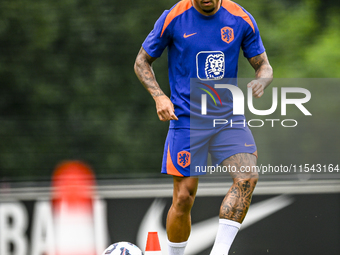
(204, 38)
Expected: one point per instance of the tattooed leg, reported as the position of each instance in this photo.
(236, 203)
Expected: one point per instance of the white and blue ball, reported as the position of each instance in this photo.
(122, 248)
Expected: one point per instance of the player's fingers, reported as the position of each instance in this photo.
(161, 118)
(259, 94)
(173, 116)
(162, 115)
(165, 115)
(250, 84)
(172, 113)
(258, 90)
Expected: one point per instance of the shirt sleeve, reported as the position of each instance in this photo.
(157, 40)
(252, 43)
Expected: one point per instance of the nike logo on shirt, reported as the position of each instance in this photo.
(249, 145)
(186, 36)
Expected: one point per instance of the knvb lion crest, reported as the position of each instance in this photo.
(183, 158)
(214, 66)
(210, 65)
(227, 34)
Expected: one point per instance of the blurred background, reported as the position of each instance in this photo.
(68, 92)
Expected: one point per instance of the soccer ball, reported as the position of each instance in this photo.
(122, 248)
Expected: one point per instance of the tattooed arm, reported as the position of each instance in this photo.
(144, 72)
(264, 74)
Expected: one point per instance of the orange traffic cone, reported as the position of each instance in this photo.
(73, 183)
(152, 244)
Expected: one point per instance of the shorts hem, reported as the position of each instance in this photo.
(234, 153)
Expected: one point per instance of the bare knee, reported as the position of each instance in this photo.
(183, 201)
(184, 195)
(247, 179)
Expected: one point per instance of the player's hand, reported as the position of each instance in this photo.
(165, 108)
(257, 88)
